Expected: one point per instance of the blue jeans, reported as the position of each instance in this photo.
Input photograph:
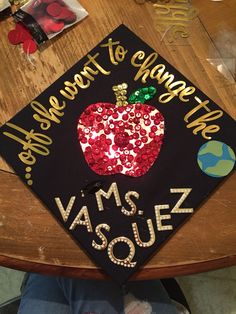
(60, 295)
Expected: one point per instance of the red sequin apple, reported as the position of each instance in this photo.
(121, 139)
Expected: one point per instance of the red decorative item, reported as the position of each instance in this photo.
(66, 15)
(57, 27)
(14, 37)
(29, 46)
(54, 9)
(46, 23)
(123, 139)
(21, 35)
(51, 15)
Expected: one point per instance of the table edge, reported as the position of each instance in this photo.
(147, 273)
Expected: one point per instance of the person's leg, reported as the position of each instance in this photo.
(92, 296)
(41, 295)
(47, 295)
(106, 297)
(147, 297)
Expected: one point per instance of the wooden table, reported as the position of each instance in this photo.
(208, 240)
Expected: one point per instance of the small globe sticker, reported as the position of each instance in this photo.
(216, 159)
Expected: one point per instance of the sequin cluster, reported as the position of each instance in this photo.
(142, 95)
(124, 139)
(120, 93)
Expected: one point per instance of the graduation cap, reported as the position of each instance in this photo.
(122, 149)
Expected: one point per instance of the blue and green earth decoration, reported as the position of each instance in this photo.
(216, 159)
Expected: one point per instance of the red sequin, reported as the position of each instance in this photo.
(123, 139)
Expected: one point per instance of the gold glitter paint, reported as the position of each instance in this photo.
(116, 55)
(158, 72)
(84, 77)
(200, 123)
(46, 116)
(27, 175)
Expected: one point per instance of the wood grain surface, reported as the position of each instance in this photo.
(30, 238)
